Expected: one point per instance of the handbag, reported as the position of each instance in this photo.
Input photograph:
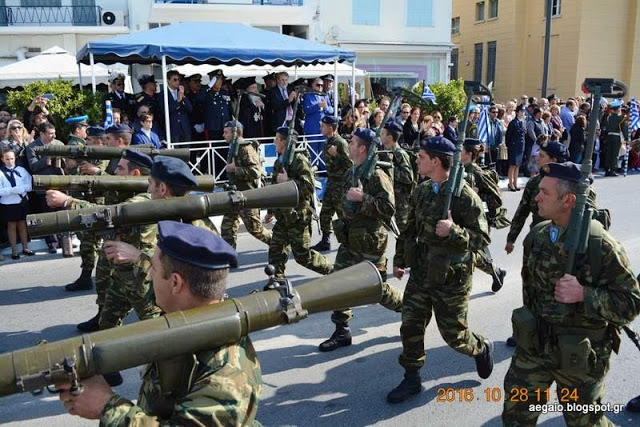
(503, 152)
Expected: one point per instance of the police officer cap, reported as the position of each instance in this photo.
(78, 119)
(472, 142)
(215, 73)
(146, 78)
(245, 82)
(566, 171)
(284, 131)
(393, 126)
(556, 150)
(116, 78)
(173, 171)
(438, 144)
(330, 120)
(328, 77)
(365, 134)
(196, 246)
(196, 76)
(135, 156)
(120, 128)
(615, 104)
(270, 76)
(97, 131)
(232, 124)
(300, 82)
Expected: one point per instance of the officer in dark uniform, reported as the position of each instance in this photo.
(217, 109)
(125, 102)
(198, 97)
(251, 109)
(269, 83)
(149, 97)
(328, 80)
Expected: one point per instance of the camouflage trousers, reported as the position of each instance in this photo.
(449, 303)
(485, 264)
(331, 202)
(128, 290)
(529, 379)
(90, 244)
(402, 215)
(391, 297)
(104, 277)
(295, 236)
(251, 220)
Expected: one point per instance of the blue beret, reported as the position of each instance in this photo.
(121, 128)
(438, 144)
(566, 171)
(472, 108)
(135, 156)
(195, 246)
(284, 130)
(615, 103)
(555, 150)
(365, 134)
(393, 126)
(472, 142)
(79, 119)
(173, 171)
(233, 123)
(95, 131)
(330, 120)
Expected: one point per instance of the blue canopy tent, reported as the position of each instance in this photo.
(211, 43)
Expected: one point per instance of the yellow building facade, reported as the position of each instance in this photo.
(503, 41)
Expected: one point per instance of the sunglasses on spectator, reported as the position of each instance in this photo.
(16, 127)
(406, 112)
(493, 112)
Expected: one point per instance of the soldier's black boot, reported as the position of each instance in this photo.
(498, 279)
(323, 245)
(511, 342)
(634, 405)
(82, 283)
(92, 324)
(340, 338)
(410, 385)
(114, 379)
(484, 361)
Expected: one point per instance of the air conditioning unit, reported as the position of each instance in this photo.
(113, 17)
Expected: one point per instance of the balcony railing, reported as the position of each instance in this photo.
(237, 2)
(50, 15)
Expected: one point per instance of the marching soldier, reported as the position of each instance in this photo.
(244, 172)
(335, 153)
(440, 254)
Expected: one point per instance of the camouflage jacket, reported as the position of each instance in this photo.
(377, 206)
(528, 205)
(338, 165)
(225, 391)
(248, 170)
(487, 189)
(613, 298)
(402, 171)
(469, 233)
(300, 171)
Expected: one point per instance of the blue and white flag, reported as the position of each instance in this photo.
(352, 91)
(109, 119)
(427, 93)
(483, 123)
(634, 116)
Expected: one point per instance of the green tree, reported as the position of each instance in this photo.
(67, 102)
(450, 98)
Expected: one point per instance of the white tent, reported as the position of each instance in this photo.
(51, 64)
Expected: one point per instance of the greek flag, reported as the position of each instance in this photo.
(483, 123)
(635, 115)
(352, 91)
(109, 120)
(427, 94)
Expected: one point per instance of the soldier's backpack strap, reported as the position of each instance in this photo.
(528, 241)
(594, 249)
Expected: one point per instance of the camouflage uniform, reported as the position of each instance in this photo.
(363, 235)
(127, 288)
(403, 185)
(567, 343)
(246, 177)
(528, 206)
(441, 271)
(336, 168)
(292, 230)
(225, 390)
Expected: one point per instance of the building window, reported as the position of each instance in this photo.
(420, 13)
(365, 12)
(556, 8)
(491, 62)
(455, 25)
(493, 9)
(477, 65)
(480, 11)
(454, 64)
(41, 3)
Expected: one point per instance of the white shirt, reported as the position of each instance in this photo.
(11, 195)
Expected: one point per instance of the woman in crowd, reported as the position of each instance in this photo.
(578, 140)
(437, 125)
(146, 135)
(411, 128)
(363, 112)
(426, 127)
(510, 113)
(514, 139)
(17, 140)
(15, 183)
(404, 113)
(350, 119)
(378, 115)
(556, 121)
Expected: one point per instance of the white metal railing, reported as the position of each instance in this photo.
(211, 156)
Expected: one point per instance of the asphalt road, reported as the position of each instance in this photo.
(303, 386)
